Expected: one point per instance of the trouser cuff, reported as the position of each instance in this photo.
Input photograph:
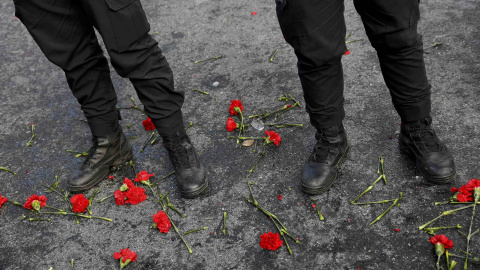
(103, 125)
(170, 125)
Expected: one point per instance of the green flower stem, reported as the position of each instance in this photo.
(103, 199)
(367, 190)
(196, 230)
(388, 209)
(90, 201)
(355, 40)
(56, 191)
(320, 216)
(77, 215)
(29, 143)
(224, 220)
(433, 230)
(170, 205)
(83, 120)
(189, 125)
(245, 138)
(78, 221)
(283, 236)
(175, 227)
(242, 128)
(7, 170)
(348, 36)
(133, 166)
(16, 203)
(151, 189)
(384, 201)
(203, 92)
(267, 114)
(294, 239)
(455, 210)
(275, 220)
(208, 59)
(163, 178)
(131, 137)
(78, 154)
(72, 263)
(287, 109)
(473, 259)
(444, 213)
(475, 232)
(273, 55)
(399, 199)
(146, 143)
(290, 125)
(129, 125)
(477, 198)
(155, 140)
(380, 159)
(39, 219)
(60, 210)
(440, 203)
(254, 165)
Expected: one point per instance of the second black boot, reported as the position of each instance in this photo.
(107, 152)
(189, 170)
(321, 169)
(433, 160)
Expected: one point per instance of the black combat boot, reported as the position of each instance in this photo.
(433, 160)
(189, 170)
(106, 152)
(321, 168)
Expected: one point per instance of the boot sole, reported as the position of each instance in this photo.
(323, 189)
(124, 160)
(203, 191)
(435, 180)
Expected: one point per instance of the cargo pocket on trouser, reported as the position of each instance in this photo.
(128, 23)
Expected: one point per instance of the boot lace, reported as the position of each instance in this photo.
(178, 153)
(323, 148)
(426, 136)
(92, 154)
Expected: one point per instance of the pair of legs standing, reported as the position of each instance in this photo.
(64, 31)
(316, 30)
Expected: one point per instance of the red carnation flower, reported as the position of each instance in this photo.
(126, 256)
(464, 195)
(270, 241)
(35, 202)
(441, 243)
(162, 222)
(454, 189)
(2, 200)
(148, 124)
(143, 176)
(80, 203)
(347, 52)
(274, 137)
(235, 107)
(254, 13)
(289, 106)
(473, 184)
(135, 195)
(129, 193)
(231, 125)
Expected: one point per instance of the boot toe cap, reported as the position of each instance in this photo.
(437, 167)
(317, 177)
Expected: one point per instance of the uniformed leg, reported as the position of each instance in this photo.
(135, 55)
(391, 26)
(316, 31)
(68, 40)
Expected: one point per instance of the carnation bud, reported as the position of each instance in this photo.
(36, 205)
(124, 187)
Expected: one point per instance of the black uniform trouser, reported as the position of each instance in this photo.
(64, 31)
(316, 30)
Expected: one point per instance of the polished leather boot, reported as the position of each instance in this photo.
(419, 141)
(106, 152)
(189, 170)
(321, 169)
